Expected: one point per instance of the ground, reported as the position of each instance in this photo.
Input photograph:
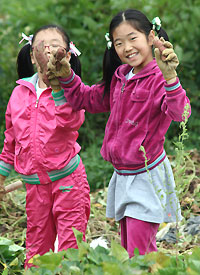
(13, 218)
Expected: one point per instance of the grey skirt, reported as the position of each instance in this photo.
(149, 196)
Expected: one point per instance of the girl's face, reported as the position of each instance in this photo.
(132, 46)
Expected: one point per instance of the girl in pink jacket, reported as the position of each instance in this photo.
(143, 96)
(41, 145)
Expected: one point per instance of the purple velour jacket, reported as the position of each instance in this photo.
(141, 111)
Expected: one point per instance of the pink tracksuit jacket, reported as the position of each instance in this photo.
(141, 110)
(34, 138)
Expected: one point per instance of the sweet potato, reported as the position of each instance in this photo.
(159, 44)
(42, 60)
(60, 54)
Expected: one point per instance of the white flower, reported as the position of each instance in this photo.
(99, 242)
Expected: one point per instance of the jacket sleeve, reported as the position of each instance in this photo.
(65, 115)
(175, 101)
(81, 96)
(8, 152)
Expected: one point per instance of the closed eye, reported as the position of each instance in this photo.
(55, 45)
(118, 44)
(133, 38)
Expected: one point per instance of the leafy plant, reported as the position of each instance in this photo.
(11, 257)
(86, 260)
(183, 162)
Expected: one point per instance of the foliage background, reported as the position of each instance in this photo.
(87, 22)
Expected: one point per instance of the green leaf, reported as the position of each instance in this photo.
(5, 242)
(136, 252)
(5, 272)
(15, 248)
(78, 235)
(72, 254)
(83, 247)
(98, 255)
(83, 250)
(74, 270)
(111, 268)
(50, 260)
(9, 250)
(119, 252)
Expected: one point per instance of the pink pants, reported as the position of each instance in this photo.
(53, 210)
(138, 234)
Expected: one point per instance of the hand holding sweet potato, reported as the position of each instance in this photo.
(58, 65)
(166, 58)
(53, 67)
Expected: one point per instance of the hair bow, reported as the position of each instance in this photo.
(156, 23)
(27, 38)
(73, 49)
(109, 42)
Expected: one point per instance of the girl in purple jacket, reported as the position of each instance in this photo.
(41, 145)
(143, 96)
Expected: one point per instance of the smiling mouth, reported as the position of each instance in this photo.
(131, 55)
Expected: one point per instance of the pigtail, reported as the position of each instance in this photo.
(75, 64)
(111, 62)
(162, 33)
(24, 64)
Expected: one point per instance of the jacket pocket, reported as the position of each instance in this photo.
(18, 149)
(23, 158)
(140, 95)
(18, 158)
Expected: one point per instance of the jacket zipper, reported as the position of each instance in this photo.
(36, 103)
(35, 125)
(118, 114)
(119, 109)
(122, 88)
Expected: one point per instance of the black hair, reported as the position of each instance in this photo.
(25, 67)
(111, 60)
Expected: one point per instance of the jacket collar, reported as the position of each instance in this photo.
(29, 82)
(150, 69)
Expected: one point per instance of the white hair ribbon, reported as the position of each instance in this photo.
(109, 42)
(73, 49)
(27, 38)
(156, 23)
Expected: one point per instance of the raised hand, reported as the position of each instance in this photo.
(58, 65)
(166, 58)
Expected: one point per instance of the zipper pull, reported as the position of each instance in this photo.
(36, 103)
(122, 89)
